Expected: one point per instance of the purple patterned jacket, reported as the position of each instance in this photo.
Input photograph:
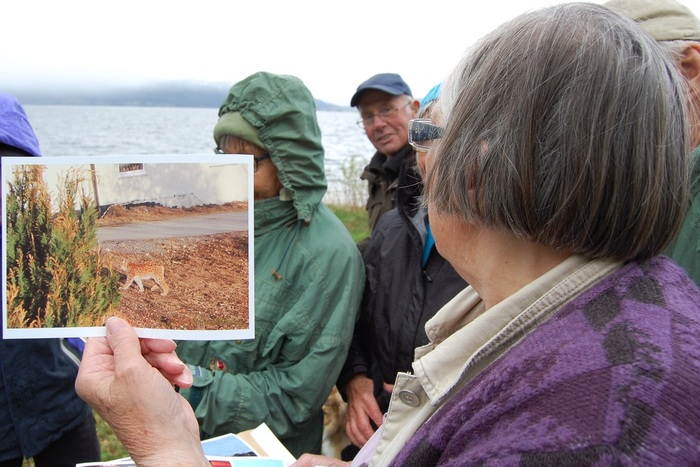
(612, 378)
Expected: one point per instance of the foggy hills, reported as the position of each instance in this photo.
(171, 94)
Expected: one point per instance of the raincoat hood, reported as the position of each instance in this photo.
(15, 129)
(283, 111)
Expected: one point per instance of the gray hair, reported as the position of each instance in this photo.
(427, 109)
(567, 127)
(676, 48)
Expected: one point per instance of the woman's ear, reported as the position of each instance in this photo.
(689, 63)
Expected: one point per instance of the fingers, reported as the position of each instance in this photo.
(96, 347)
(157, 345)
(359, 431)
(374, 413)
(314, 460)
(171, 367)
(362, 408)
(159, 353)
(123, 341)
(354, 433)
(97, 358)
(357, 423)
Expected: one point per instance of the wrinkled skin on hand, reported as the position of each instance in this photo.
(362, 408)
(129, 382)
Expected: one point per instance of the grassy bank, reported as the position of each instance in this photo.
(355, 220)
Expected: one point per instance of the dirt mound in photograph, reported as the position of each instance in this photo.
(207, 276)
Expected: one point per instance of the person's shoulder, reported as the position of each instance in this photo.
(677, 291)
(327, 232)
(695, 157)
(389, 218)
(652, 300)
(391, 223)
(656, 282)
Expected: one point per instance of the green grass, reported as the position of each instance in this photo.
(111, 448)
(355, 220)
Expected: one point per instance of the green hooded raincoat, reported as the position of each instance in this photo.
(309, 278)
(685, 248)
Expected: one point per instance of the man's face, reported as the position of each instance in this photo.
(387, 135)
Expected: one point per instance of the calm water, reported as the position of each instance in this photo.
(102, 130)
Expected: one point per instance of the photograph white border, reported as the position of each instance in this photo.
(212, 159)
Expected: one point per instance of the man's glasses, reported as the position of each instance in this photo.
(422, 132)
(256, 159)
(387, 113)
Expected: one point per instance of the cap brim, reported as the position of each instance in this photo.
(387, 89)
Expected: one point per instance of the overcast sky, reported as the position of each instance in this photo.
(331, 45)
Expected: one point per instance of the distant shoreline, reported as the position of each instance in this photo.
(321, 106)
(176, 94)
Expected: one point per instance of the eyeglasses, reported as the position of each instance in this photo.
(256, 159)
(387, 113)
(422, 132)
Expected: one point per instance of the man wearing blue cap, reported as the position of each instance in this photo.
(386, 105)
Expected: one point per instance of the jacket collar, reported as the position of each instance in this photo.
(272, 214)
(464, 338)
(389, 167)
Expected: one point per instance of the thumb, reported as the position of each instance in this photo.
(122, 340)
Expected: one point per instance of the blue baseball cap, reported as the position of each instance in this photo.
(390, 83)
(432, 95)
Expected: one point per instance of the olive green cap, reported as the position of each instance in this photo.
(664, 20)
(233, 124)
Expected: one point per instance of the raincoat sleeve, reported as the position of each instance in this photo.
(359, 357)
(357, 361)
(298, 352)
(685, 248)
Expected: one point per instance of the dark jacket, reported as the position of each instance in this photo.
(400, 295)
(38, 402)
(382, 175)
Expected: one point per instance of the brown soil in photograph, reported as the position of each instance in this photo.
(207, 275)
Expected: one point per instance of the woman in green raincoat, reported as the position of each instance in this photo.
(309, 276)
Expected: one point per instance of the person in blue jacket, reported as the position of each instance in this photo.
(41, 416)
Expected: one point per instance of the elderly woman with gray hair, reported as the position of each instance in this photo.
(560, 177)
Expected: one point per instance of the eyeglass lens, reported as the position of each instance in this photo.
(256, 159)
(385, 114)
(421, 133)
